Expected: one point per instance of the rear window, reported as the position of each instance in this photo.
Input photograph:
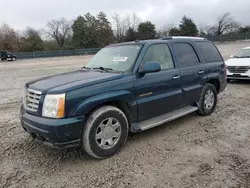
(209, 51)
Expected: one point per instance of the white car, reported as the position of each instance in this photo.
(238, 66)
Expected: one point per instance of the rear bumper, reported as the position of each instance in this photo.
(57, 133)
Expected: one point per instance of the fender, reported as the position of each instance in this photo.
(213, 76)
(215, 71)
(88, 104)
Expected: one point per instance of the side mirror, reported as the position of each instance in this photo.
(150, 67)
(231, 56)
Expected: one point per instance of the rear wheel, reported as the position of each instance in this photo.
(208, 100)
(105, 132)
(13, 59)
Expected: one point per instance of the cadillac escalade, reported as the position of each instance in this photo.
(126, 87)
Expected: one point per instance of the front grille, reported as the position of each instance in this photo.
(238, 69)
(32, 98)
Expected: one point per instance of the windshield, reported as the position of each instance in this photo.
(116, 58)
(243, 53)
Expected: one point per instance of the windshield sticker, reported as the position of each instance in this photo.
(120, 59)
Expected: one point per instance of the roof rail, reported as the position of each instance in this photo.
(182, 37)
(166, 38)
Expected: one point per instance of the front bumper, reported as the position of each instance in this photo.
(58, 133)
(238, 76)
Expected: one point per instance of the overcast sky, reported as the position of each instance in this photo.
(21, 13)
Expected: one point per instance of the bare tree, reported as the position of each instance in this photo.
(166, 30)
(225, 23)
(118, 28)
(31, 40)
(132, 21)
(59, 30)
(122, 24)
(162, 32)
(30, 32)
(206, 30)
(8, 38)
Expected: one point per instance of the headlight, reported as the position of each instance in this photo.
(53, 106)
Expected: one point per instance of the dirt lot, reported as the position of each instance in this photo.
(190, 152)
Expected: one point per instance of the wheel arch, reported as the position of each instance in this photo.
(123, 100)
(216, 83)
(122, 105)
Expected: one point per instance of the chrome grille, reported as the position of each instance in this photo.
(238, 69)
(32, 99)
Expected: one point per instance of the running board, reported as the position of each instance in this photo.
(159, 120)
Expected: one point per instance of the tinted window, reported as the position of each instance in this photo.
(186, 55)
(209, 51)
(161, 54)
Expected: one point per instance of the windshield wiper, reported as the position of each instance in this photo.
(103, 69)
(241, 56)
(86, 68)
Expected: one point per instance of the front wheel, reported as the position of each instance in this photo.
(105, 132)
(208, 100)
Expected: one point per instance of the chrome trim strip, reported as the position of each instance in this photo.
(34, 91)
(167, 119)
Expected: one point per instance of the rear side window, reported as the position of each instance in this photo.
(186, 55)
(209, 51)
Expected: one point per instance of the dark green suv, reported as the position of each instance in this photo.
(127, 87)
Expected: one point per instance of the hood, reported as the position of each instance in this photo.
(61, 83)
(238, 62)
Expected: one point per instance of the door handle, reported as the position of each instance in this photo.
(201, 72)
(176, 77)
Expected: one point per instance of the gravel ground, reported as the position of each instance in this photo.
(192, 151)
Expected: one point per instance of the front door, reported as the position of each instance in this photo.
(192, 72)
(160, 92)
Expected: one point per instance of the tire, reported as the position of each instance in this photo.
(13, 59)
(207, 108)
(96, 127)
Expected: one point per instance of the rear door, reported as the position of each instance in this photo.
(214, 63)
(192, 72)
(160, 92)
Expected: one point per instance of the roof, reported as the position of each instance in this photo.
(160, 39)
(246, 48)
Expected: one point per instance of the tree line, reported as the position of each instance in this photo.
(90, 31)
